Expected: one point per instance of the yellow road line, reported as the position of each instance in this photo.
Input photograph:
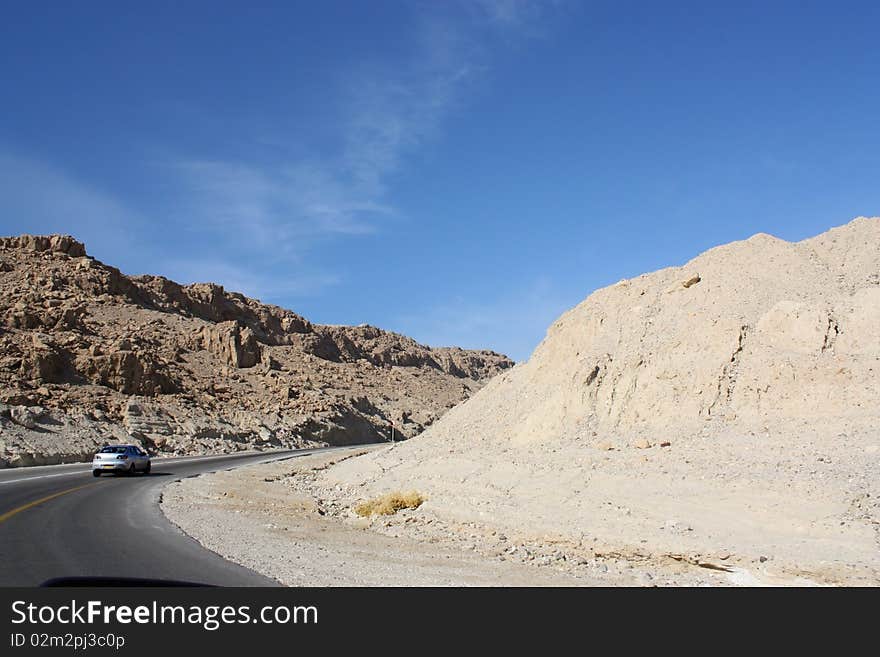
(24, 507)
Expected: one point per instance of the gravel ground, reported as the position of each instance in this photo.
(267, 517)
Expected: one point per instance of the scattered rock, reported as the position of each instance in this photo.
(25, 417)
(234, 345)
(40, 243)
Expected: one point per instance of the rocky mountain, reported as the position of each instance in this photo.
(89, 355)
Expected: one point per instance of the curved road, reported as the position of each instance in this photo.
(59, 521)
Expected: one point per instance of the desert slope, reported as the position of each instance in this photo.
(729, 406)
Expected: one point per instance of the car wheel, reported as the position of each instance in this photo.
(96, 473)
(147, 469)
(131, 469)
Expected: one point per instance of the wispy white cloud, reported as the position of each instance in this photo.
(229, 213)
(249, 281)
(388, 110)
(41, 199)
(278, 207)
(396, 109)
(512, 13)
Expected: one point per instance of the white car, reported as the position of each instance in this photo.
(125, 459)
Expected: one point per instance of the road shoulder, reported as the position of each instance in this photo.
(251, 516)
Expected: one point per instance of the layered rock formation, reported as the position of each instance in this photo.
(88, 354)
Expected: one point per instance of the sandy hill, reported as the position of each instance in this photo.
(89, 355)
(730, 406)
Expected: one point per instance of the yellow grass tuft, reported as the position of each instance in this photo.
(389, 504)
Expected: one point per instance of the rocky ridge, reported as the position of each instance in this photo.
(88, 355)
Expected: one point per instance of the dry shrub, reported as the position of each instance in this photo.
(390, 504)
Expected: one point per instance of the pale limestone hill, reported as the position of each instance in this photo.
(737, 395)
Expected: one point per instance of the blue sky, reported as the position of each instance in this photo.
(462, 172)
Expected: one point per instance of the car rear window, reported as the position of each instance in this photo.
(113, 450)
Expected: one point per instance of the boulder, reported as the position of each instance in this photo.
(127, 372)
(234, 345)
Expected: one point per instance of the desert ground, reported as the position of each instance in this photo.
(268, 518)
(654, 527)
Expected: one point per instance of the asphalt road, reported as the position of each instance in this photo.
(59, 521)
